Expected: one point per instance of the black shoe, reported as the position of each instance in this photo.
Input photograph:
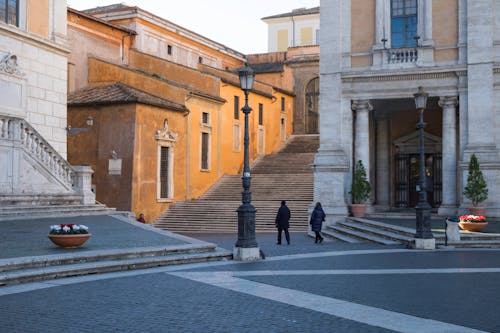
(315, 241)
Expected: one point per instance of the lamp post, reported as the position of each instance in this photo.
(246, 247)
(424, 237)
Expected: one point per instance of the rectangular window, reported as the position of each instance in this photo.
(236, 107)
(164, 172)
(306, 36)
(169, 49)
(261, 114)
(236, 137)
(282, 104)
(204, 118)
(283, 129)
(204, 150)
(9, 11)
(403, 23)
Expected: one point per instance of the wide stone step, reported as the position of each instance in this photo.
(329, 232)
(91, 265)
(23, 212)
(362, 234)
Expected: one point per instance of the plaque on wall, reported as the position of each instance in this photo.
(115, 166)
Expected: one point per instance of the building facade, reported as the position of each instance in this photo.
(166, 109)
(293, 46)
(33, 90)
(374, 56)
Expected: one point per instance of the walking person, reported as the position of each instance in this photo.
(316, 221)
(283, 222)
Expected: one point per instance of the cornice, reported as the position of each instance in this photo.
(404, 76)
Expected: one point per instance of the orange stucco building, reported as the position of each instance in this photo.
(166, 123)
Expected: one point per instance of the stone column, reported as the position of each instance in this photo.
(449, 148)
(331, 163)
(362, 133)
(383, 183)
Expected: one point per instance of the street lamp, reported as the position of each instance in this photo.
(423, 209)
(246, 247)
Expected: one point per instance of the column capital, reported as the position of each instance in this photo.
(448, 102)
(361, 105)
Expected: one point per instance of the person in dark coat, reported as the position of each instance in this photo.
(316, 221)
(283, 222)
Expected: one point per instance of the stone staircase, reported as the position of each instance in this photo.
(37, 180)
(355, 230)
(284, 175)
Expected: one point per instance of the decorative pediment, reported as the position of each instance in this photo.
(8, 64)
(166, 135)
(410, 144)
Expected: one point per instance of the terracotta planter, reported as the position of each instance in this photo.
(480, 211)
(69, 241)
(472, 226)
(358, 210)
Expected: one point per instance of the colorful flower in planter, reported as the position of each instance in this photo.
(472, 218)
(68, 229)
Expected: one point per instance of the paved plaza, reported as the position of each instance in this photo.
(302, 287)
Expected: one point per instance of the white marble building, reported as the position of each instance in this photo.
(33, 90)
(374, 56)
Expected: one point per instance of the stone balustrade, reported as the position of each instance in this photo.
(22, 134)
(18, 134)
(398, 56)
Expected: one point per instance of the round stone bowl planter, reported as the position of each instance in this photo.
(472, 226)
(69, 241)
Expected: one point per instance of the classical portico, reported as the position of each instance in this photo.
(382, 123)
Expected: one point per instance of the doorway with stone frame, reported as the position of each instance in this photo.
(396, 153)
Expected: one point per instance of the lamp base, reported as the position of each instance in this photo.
(246, 253)
(424, 243)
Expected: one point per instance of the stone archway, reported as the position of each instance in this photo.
(311, 107)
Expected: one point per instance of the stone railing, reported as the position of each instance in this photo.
(401, 56)
(22, 134)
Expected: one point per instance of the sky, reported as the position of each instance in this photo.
(234, 23)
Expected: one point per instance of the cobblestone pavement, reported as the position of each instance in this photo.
(303, 287)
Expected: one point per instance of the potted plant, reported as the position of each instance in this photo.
(476, 189)
(472, 222)
(360, 190)
(69, 235)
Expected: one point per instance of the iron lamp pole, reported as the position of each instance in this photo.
(423, 209)
(246, 212)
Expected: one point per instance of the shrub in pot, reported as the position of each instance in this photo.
(476, 189)
(360, 190)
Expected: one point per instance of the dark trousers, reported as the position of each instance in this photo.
(287, 235)
(318, 236)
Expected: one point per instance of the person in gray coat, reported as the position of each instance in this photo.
(283, 222)
(316, 221)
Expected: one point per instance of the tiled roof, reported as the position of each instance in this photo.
(295, 12)
(119, 93)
